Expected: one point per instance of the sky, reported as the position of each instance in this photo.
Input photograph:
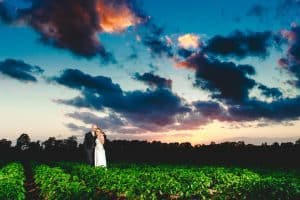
(173, 71)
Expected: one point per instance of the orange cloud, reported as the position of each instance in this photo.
(115, 18)
(289, 35)
(188, 41)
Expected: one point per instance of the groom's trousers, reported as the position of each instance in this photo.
(90, 156)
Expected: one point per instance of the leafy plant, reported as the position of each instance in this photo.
(134, 181)
(12, 182)
(56, 184)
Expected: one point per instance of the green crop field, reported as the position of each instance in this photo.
(12, 181)
(66, 180)
(132, 181)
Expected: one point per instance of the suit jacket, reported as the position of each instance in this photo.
(89, 141)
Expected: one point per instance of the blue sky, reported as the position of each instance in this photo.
(135, 84)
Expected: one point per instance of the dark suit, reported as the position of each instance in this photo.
(89, 144)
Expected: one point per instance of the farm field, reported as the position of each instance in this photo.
(12, 181)
(66, 180)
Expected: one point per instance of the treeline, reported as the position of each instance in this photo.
(227, 153)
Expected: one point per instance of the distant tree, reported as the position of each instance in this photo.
(36, 146)
(240, 144)
(264, 144)
(275, 145)
(287, 144)
(297, 142)
(5, 144)
(23, 142)
(199, 145)
(186, 145)
(50, 143)
(70, 143)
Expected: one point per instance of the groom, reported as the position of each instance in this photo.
(89, 144)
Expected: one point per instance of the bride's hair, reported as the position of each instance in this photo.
(102, 133)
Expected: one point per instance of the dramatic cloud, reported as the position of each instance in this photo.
(154, 40)
(75, 128)
(76, 79)
(153, 80)
(143, 108)
(20, 70)
(112, 123)
(209, 109)
(74, 24)
(188, 41)
(116, 15)
(202, 113)
(225, 80)
(184, 53)
(270, 92)
(230, 83)
(241, 45)
(278, 110)
(6, 15)
(291, 63)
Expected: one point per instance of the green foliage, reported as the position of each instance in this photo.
(12, 182)
(184, 182)
(56, 184)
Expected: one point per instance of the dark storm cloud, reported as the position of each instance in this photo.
(201, 113)
(225, 80)
(270, 92)
(240, 44)
(111, 122)
(153, 80)
(76, 79)
(184, 52)
(17, 69)
(278, 110)
(230, 83)
(295, 70)
(209, 109)
(291, 62)
(6, 15)
(154, 106)
(153, 39)
(74, 24)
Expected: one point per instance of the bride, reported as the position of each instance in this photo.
(100, 158)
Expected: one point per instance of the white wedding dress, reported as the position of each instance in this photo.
(100, 158)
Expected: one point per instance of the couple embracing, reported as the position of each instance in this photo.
(94, 147)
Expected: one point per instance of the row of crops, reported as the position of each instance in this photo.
(79, 181)
(12, 182)
(65, 180)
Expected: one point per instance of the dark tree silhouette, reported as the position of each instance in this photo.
(5, 144)
(23, 142)
(71, 143)
(225, 153)
(50, 143)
